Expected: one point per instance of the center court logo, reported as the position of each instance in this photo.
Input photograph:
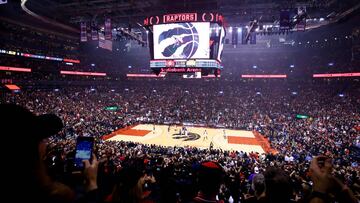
(181, 41)
(190, 136)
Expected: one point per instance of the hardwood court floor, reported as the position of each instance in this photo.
(239, 140)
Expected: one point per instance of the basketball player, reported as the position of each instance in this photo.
(224, 134)
(154, 129)
(184, 129)
(205, 135)
(186, 132)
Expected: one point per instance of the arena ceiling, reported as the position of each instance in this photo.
(235, 11)
(133, 12)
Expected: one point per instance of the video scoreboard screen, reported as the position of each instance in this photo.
(192, 63)
(182, 41)
(188, 42)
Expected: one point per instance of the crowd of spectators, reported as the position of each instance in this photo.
(37, 41)
(317, 156)
(269, 108)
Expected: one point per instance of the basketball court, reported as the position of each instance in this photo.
(200, 137)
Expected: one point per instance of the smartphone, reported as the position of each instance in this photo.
(84, 150)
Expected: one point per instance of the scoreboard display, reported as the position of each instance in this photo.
(197, 63)
(181, 41)
(189, 42)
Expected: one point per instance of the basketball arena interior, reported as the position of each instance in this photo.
(180, 101)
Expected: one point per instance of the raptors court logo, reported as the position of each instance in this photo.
(181, 41)
(190, 136)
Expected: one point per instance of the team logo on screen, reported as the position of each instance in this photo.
(181, 41)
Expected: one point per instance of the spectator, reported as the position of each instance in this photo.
(326, 187)
(278, 186)
(210, 177)
(25, 167)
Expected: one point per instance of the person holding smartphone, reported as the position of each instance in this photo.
(327, 188)
(83, 151)
(26, 177)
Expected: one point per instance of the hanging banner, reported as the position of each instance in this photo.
(83, 34)
(243, 36)
(253, 38)
(94, 34)
(301, 22)
(108, 33)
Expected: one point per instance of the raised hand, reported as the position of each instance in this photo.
(90, 173)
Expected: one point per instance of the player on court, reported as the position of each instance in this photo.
(205, 135)
(224, 134)
(184, 130)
